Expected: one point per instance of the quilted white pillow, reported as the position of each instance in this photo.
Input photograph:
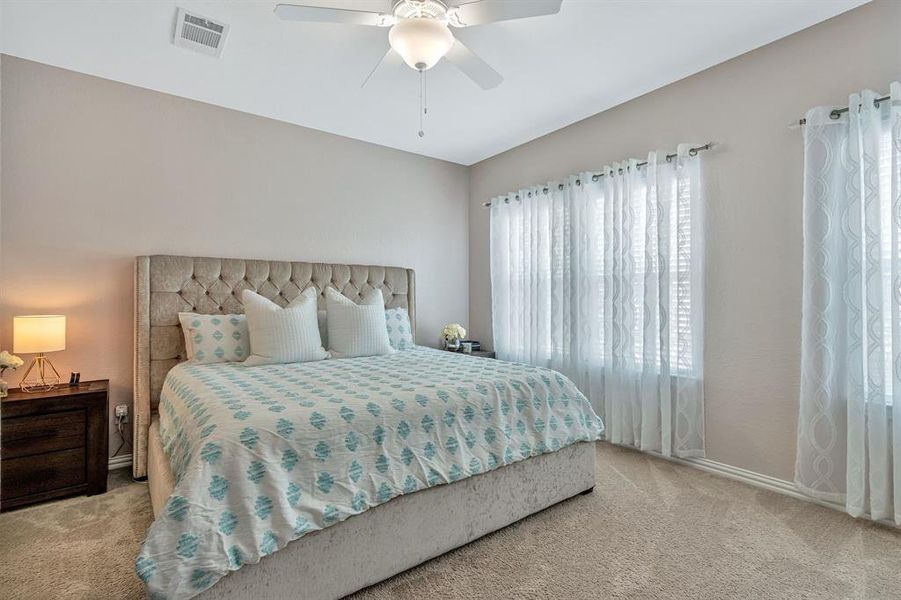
(282, 335)
(215, 338)
(356, 329)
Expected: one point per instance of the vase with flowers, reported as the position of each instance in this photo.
(452, 334)
(7, 361)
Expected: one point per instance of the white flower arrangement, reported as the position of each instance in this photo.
(9, 361)
(452, 332)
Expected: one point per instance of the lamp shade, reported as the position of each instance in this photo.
(39, 333)
(421, 42)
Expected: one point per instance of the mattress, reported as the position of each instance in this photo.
(265, 455)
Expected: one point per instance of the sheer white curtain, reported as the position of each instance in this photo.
(849, 430)
(601, 278)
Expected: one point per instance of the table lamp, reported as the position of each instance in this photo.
(37, 334)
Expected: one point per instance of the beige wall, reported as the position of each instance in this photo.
(96, 172)
(753, 315)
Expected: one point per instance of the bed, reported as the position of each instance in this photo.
(340, 473)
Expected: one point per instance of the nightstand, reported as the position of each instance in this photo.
(54, 444)
(483, 354)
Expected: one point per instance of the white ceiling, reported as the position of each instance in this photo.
(558, 69)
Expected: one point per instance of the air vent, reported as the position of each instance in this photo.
(199, 33)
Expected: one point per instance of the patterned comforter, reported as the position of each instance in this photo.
(265, 455)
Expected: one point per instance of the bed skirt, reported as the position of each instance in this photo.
(400, 534)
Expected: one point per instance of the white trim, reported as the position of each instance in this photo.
(120, 462)
(759, 480)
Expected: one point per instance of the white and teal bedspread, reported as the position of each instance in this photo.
(265, 455)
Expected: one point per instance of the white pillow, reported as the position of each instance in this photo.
(282, 335)
(400, 332)
(215, 338)
(356, 329)
(323, 327)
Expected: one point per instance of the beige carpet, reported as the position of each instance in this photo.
(652, 529)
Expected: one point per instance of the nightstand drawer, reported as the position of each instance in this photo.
(30, 475)
(24, 436)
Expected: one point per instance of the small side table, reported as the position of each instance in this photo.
(484, 353)
(55, 443)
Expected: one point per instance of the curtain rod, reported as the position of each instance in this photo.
(834, 114)
(691, 152)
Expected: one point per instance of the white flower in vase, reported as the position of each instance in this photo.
(452, 335)
(8, 361)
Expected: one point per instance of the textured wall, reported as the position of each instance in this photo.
(96, 172)
(753, 314)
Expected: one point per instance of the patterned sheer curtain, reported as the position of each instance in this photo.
(849, 429)
(601, 278)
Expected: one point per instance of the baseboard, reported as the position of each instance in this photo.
(120, 462)
(759, 480)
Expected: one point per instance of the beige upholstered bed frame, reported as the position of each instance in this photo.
(167, 285)
(409, 529)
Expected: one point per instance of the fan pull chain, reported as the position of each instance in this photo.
(422, 101)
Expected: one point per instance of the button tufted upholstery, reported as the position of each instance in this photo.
(167, 285)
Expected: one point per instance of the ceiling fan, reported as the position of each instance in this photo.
(420, 33)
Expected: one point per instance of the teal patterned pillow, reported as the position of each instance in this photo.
(215, 338)
(400, 333)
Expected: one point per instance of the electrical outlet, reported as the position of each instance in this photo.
(121, 410)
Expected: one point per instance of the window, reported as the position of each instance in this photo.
(645, 231)
(575, 271)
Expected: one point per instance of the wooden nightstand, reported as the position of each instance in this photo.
(479, 353)
(53, 444)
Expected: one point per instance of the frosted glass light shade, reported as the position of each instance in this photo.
(421, 42)
(33, 334)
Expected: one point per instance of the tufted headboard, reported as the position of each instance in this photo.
(167, 285)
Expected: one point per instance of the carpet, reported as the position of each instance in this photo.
(651, 529)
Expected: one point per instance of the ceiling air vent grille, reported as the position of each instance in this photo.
(199, 33)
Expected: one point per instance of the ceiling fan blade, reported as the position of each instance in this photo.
(319, 14)
(480, 12)
(473, 67)
(390, 58)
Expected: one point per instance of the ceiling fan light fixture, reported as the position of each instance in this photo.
(421, 42)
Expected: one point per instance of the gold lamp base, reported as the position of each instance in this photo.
(42, 380)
